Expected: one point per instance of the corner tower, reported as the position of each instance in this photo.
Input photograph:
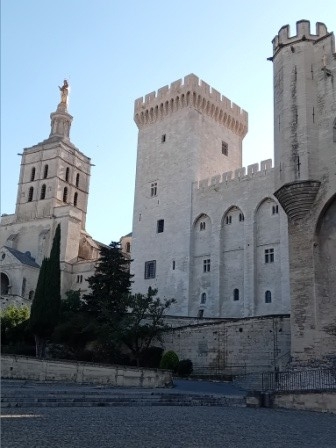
(187, 132)
(305, 180)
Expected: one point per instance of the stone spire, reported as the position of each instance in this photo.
(61, 120)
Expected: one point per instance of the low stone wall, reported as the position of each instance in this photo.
(22, 367)
(312, 401)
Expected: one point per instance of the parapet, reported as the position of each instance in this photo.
(190, 92)
(232, 177)
(302, 33)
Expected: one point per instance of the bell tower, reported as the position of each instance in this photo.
(54, 173)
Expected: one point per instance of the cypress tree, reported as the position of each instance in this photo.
(46, 304)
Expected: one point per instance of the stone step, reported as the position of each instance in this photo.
(59, 400)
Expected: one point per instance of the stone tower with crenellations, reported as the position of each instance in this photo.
(305, 180)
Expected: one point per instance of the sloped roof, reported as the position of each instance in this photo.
(24, 258)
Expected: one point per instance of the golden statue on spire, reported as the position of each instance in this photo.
(64, 92)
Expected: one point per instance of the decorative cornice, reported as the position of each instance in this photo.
(297, 198)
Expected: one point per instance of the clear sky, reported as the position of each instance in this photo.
(115, 51)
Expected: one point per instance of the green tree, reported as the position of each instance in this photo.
(110, 287)
(46, 304)
(144, 322)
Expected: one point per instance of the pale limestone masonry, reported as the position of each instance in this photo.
(53, 189)
(21, 367)
(229, 243)
(233, 346)
(190, 177)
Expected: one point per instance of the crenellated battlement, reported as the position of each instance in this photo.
(302, 33)
(190, 92)
(232, 177)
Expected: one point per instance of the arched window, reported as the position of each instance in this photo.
(203, 298)
(30, 194)
(75, 199)
(45, 172)
(65, 194)
(77, 179)
(31, 295)
(43, 191)
(32, 174)
(128, 247)
(268, 297)
(4, 284)
(67, 172)
(236, 294)
(23, 288)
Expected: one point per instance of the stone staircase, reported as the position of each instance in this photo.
(113, 397)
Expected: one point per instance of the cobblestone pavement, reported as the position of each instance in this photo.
(162, 427)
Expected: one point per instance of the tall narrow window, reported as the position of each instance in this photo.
(241, 217)
(65, 194)
(77, 179)
(23, 288)
(174, 264)
(275, 209)
(225, 148)
(43, 191)
(269, 255)
(236, 294)
(160, 226)
(32, 174)
(163, 138)
(206, 265)
(75, 199)
(153, 189)
(203, 298)
(67, 172)
(45, 172)
(202, 225)
(150, 269)
(268, 297)
(128, 247)
(229, 219)
(30, 194)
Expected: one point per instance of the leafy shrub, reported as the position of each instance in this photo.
(169, 361)
(185, 367)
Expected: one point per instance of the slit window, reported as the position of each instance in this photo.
(32, 174)
(75, 199)
(150, 269)
(30, 194)
(228, 219)
(241, 217)
(202, 225)
(128, 247)
(80, 278)
(65, 194)
(236, 294)
(77, 179)
(163, 138)
(43, 191)
(45, 172)
(203, 298)
(174, 265)
(67, 172)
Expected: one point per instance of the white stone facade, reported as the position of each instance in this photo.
(229, 242)
(217, 220)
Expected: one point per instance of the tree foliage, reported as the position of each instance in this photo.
(46, 304)
(11, 319)
(143, 322)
